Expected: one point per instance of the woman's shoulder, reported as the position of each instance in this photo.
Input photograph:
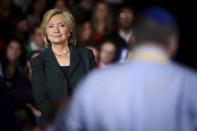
(83, 50)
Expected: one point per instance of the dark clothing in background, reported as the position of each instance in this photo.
(8, 121)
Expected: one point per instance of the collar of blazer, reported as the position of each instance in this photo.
(53, 63)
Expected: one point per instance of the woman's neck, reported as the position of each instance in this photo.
(60, 48)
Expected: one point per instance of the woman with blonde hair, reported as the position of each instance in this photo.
(58, 69)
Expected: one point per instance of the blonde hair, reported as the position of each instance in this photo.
(69, 19)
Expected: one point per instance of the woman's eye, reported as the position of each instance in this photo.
(50, 26)
(62, 25)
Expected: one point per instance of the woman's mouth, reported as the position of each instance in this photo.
(56, 35)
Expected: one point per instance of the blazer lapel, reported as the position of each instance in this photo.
(74, 59)
(52, 63)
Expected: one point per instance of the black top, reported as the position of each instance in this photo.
(65, 70)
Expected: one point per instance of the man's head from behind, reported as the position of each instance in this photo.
(156, 26)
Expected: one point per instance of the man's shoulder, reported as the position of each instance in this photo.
(112, 71)
(186, 70)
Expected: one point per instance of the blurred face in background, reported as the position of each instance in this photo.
(101, 11)
(57, 30)
(86, 31)
(37, 37)
(22, 26)
(13, 50)
(107, 53)
(60, 4)
(125, 18)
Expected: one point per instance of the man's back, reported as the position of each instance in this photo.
(150, 93)
(138, 96)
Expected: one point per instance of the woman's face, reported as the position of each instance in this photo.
(86, 31)
(107, 53)
(57, 30)
(13, 51)
(101, 11)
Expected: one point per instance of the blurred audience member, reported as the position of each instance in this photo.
(22, 30)
(9, 13)
(125, 20)
(61, 5)
(36, 41)
(8, 121)
(85, 34)
(23, 4)
(101, 21)
(35, 12)
(124, 31)
(82, 10)
(22, 92)
(107, 53)
(12, 63)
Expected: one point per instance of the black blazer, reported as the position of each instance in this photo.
(48, 81)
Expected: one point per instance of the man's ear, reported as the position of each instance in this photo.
(173, 46)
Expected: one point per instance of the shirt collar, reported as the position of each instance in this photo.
(150, 53)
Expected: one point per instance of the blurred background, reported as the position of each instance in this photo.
(103, 26)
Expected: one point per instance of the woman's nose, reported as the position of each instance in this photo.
(56, 29)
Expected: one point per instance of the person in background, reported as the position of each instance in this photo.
(82, 10)
(85, 33)
(22, 92)
(101, 22)
(35, 12)
(107, 53)
(9, 14)
(150, 93)
(36, 42)
(12, 64)
(22, 31)
(62, 65)
(8, 121)
(124, 32)
(61, 5)
(23, 4)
